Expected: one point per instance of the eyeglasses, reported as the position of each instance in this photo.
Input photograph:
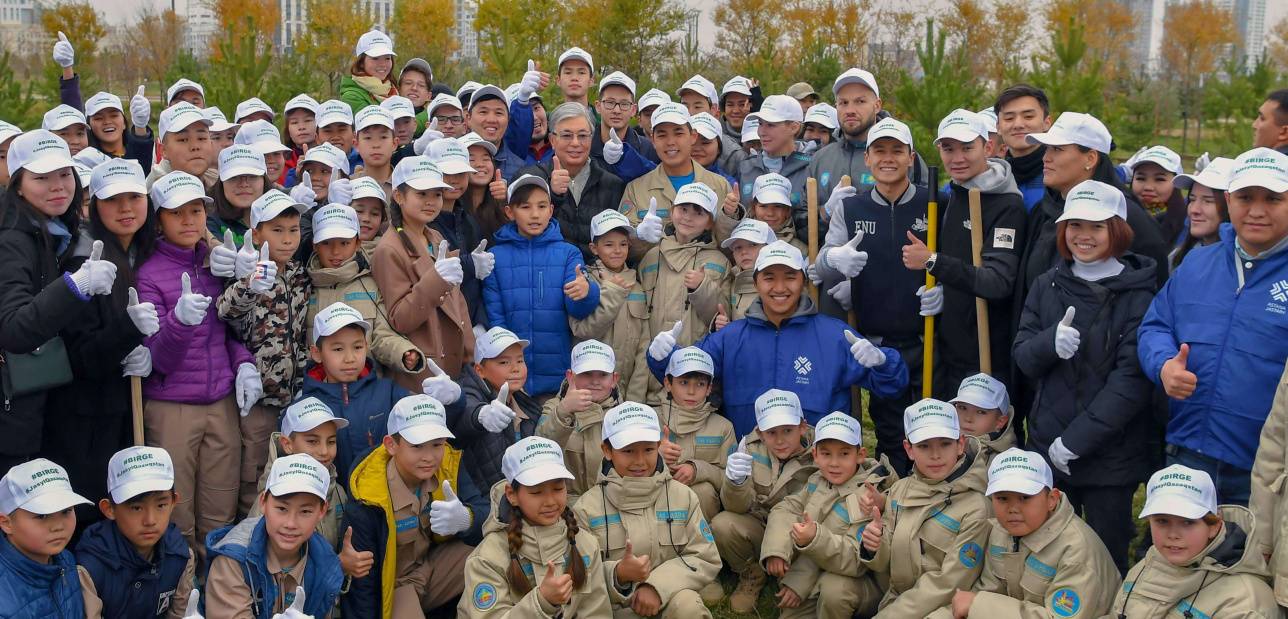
(450, 120)
(580, 136)
(610, 104)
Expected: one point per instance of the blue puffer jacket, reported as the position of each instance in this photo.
(29, 590)
(365, 403)
(808, 355)
(525, 295)
(129, 585)
(247, 544)
(1234, 315)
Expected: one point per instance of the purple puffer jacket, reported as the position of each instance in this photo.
(190, 365)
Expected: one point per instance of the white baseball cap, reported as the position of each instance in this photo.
(262, 136)
(750, 130)
(335, 221)
(468, 87)
(751, 230)
(780, 252)
(83, 173)
(1260, 167)
(307, 414)
(990, 119)
(180, 116)
(472, 139)
(697, 194)
(371, 116)
(522, 181)
(63, 117)
(1094, 201)
(856, 76)
(593, 356)
(930, 418)
(240, 160)
(253, 105)
(90, 157)
(177, 189)
(182, 85)
(450, 156)
(273, 203)
(328, 155)
(488, 91)
(367, 187)
(779, 109)
(651, 98)
(532, 461)
(1215, 176)
(138, 470)
(218, 122)
(629, 423)
(674, 113)
(689, 360)
(512, 92)
(777, 407)
(334, 317)
(608, 220)
(419, 419)
(983, 391)
(399, 106)
(1160, 156)
(1076, 128)
(494, 342)
(772, 188)
(617, 78)
(118, 176)
(8, 131)
(738, 84)
(334, 111)
(839, 426)
(888, 127)
(301, 102)
(706, 125)
(1016, 470)
(823, 114)
(38, 486)
(1180, 491)
(374, 43)
(298, 473)
(102, 101)
(441, 101)
(961, 125)
(702, 86)
(575, 53)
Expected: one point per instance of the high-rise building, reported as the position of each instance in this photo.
(1147, 40)
(20, 26)
(466, 11)
(199, 27)
(1249, 17)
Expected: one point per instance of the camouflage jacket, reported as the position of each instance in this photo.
(273, 327)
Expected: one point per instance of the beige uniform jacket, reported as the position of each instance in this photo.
(1269, 501)
(771, 479)
(352, 284)
(620, 321)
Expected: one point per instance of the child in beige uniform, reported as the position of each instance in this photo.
(984, 411)
(575, 416)
(695, 441)
(622, 316)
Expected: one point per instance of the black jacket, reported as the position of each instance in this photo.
(461, 231)
(884, 294)
(482, 450)
(1098, 401)
(603, 192)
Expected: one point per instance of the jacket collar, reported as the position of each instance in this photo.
(105, 541)
(1053, 528)
(37, 575)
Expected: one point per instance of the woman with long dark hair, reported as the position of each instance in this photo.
(1207, 208)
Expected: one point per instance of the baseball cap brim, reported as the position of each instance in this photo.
(777, 420)
(378, 50)
(268, 147)
(773, 196)
(179, 201)
(960, 134)
(340, 424)
(1257, 180)
(129, 490)
(487, 92)
(1172, 505)
(455, 167)
(630, 436)
(1050, 138)
(334, 118)
(334, 232)
(928, 432)
(1211, 181)
(773, 260)
(425, 183)
(597, 364)
(1014, 483)
(113, 189)
(851, 79)
(630, 232)
(727, 243)
(45, 165)
(421, 434)
(1087, 213)
(273, 213)
(770, 116)
(975, 398)
(543, 473)
(234, 171)
(289, 487)
(54, 502)
(366, 326)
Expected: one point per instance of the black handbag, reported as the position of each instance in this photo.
(42, 369)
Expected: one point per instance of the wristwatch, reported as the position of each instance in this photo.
(930, 262)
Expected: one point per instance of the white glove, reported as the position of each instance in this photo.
(296, 611)
(427, 137)
(140, 109)
(664, 342)
(1067, 338)
(191, 308)
(1202, 162)
(530, 83)
(484, 260)
(838, 196)
(496, 416)
(811, 271)
(143, 315)
(95, 276)
(738, 466)
(864, 352)
(613, 148)
(63, 54)
(223, 258)
(932, 301)
(842, 293)
(137, 363)
(439, 385)
(449, 268)
(303, 193)
(649, 229)
(1061, 456)
(449, 516)
(194, 600)
(806, 147)
(340, 191)
(247, 258)
(265, 276)
(847, 258)
(479, 332)
(250, 387)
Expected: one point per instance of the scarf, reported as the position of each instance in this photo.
(378, 89)
(1027, 167)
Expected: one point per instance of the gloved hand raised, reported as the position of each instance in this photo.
(863, 351)
(664, 342)
(448, 267)
(847, 258)
(191, 308)
(449, 516)
(140, 109)
(223, 258)
(95, 276)
(439, 385)
(63, 53)
(496, 415)
(932, 301)
(738, 466)
(1067, 338)
(303, 192)
(143, 315)
(649, 229)
(484, 260)
(613, 148)
(427, 137)
(265, 275)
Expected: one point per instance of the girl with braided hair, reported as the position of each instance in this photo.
(534, 560)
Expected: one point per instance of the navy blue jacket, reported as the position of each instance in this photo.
(29, 590)
(130, 586)
(247, 544)
(885, 292)
(365, 403)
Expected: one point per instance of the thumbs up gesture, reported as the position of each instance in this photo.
(427, 137)
(722, 318)
(265, 276)
(803, 532)
(868, 355)
(834, 201)
(574, 401)
(632, 568)
(302, 192)
(140, 109)
(63, 54)
(339, 190)
(847, 258)
(247, 256)
(664, 342)
(191, 308)
(579, 287)
(496, 415)
(484, 260)
(448, 516)
(194, 602)
(439, 385)
(738, 466)
(915, 253)
(354, 563)
(95, 276)
(559, 178)
(448, 267)
(1067, 338)
(731, 201)
(143, 315)
(872, 532)
(693, 279)
(556, 588)
(670, 450)
(613, 148)
(649, 229)
(1178, 382)
(296, 610)
(498, 188)
(223, 258)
